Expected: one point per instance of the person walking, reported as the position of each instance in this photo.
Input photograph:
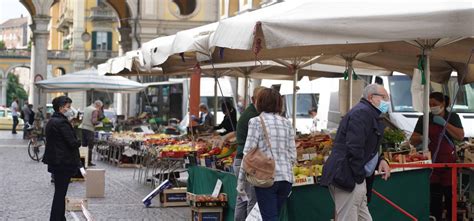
(26, 113)
(242, 206)
(440, 180)
(14, 108)
(281, 147)
(61, 154)
(349, 170)
(89, 120)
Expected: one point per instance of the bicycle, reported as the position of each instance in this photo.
(36, 144)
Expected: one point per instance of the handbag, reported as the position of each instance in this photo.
(259, 168)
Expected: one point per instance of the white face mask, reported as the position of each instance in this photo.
(69, 114)
(436, 110)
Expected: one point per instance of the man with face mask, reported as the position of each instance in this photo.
(89, 120)
(349, 170)
(440, 180)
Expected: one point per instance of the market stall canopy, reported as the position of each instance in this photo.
(131, 59)
(287, 30)
(89, 79)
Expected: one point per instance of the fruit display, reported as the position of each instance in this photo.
(407, 156)
(204, 200)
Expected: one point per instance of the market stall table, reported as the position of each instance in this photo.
(408, 189)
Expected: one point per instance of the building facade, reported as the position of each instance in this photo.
(14, 33)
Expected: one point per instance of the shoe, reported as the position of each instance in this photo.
(91, 165)
(14, 132)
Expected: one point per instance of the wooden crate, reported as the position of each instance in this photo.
(74, 204)
(174, 197)
(207, 214)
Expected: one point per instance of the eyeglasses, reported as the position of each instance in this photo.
(381, 95)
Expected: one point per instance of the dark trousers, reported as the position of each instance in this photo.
(15, 124)
(61, 183)
(437, 206)
(88, 140)
(270, 200)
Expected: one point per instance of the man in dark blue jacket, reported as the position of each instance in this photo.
(349, 170)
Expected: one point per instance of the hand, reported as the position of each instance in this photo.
(384, 169)
(439, 120)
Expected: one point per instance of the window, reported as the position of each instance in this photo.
(400, 93)
(304, 103)
(101, 41)
(464, 102)
(186, 7)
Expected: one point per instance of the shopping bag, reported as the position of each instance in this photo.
(254, 214)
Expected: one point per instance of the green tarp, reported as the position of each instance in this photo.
(409, 190)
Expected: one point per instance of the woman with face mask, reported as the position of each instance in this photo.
(61, 154)
(440, 180)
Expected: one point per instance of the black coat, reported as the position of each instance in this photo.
(62, 146)
(358, 139)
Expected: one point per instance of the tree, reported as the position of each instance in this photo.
(2, 45)
(15, 89)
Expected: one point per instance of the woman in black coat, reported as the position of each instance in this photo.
(61, 154)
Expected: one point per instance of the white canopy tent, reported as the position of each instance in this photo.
(349, 29)
(89, 79)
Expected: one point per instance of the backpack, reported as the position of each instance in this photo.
(22, 115)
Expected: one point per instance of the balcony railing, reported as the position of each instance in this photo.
(101, 14)
(64, 21)
(24, 53)
(96, 56)
(58, 54)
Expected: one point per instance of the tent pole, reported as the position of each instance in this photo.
(351, 82)
(426, 100)
(246, 90)
(216, 103)
(294, 69)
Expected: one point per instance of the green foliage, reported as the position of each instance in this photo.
(15, 89)
(394, 136)
(2, 45)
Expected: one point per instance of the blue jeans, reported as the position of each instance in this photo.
(270, 200)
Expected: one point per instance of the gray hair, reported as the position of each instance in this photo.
(98, 103)
(370, 89)
(203, 106)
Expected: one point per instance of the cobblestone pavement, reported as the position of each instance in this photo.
(26, 192)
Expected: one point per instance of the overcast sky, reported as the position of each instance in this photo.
(11, 9)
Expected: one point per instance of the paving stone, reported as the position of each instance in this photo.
(26, 192)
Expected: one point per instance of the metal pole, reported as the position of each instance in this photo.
(351, 83)
(426, 100)
(215, 99)
(246, 90)
(295, 81)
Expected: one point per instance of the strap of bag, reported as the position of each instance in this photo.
(265, 133)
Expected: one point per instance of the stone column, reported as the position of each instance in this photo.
(39, 58)
(4, 92)
(78, 55)
(122, 100)
(125, 40)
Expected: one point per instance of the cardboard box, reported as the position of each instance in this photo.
(74, 204)
(207, 213)
(174, 197)
(84, 153)
(95, 183)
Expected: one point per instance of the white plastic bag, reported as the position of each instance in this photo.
(254, 214)
(417, 90)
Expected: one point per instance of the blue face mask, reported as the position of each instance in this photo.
(384, 106)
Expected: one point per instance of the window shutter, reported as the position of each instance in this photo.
(94, 40)
(109, 41)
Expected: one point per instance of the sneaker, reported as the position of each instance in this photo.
(91, 165)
